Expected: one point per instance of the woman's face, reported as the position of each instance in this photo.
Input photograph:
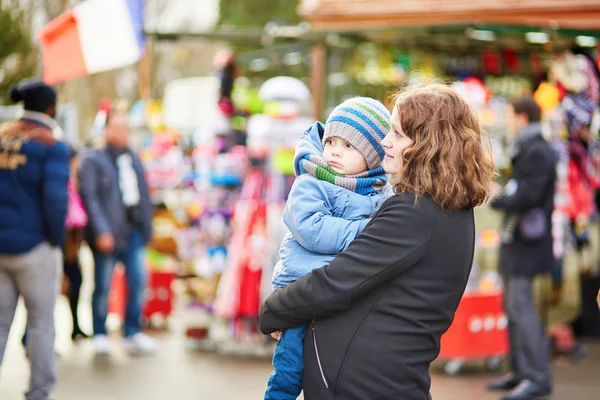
(394, 144)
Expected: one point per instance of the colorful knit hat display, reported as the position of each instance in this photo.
(363, 122)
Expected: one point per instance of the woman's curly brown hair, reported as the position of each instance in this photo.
(447, 159)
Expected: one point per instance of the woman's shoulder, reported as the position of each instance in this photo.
(421, 210)
(424, 205)
(412, 200)
(23, 132)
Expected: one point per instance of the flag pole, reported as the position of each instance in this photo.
(144, 71)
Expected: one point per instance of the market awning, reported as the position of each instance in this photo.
(352, 15)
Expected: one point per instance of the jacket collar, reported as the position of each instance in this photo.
(531, 131)
(43, 120)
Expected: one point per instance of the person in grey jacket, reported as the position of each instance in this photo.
(527, 202)
(378, 310)
(114, 191)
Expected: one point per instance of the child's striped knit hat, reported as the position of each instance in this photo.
(363, 122)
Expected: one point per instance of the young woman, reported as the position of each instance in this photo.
(378, 310)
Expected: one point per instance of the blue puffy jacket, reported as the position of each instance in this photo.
(34, 171)
(322, 218)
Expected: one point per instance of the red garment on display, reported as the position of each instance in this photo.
(490, 62)
(581, 193)
(251, 274)
(226, 107)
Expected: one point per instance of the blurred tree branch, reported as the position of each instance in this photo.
(53, 8)
(256, 13)
(17, 54)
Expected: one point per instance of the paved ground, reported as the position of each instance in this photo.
(178, 372)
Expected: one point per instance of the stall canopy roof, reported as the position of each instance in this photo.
(352, 15)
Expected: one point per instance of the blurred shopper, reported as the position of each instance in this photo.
(75, 224)
(226, 65)
(526, 251)
(115, 195)
(77, 220)
(34, 171)
(378, 310)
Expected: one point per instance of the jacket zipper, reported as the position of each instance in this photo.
(318, 358)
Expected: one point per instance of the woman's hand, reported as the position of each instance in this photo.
(496, 191)
(598, 299)
(277, 335)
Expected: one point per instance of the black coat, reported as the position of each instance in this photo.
(380, 308)
(534, 170)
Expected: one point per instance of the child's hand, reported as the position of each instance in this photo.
(276, 335)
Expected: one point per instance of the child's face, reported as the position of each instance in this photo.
(343, 157)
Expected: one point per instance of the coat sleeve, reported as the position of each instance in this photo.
(146, 201)
(87, 178)
(55, 193)
(308, 216)
(394, 241)
(532, 174)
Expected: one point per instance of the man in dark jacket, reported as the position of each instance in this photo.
(526, 251)
(115, 194)
(34, 171)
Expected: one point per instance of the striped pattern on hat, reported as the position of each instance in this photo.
(363, 122)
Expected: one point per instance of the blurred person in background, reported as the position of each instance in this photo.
(379, 309)
(77, 220)
(115, 195)
(75, 224)
(34, 171)
(526, 251)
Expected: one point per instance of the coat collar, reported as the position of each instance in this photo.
(43, 120)
(531, 131)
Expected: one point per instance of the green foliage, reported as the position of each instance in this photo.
(257, 12)
(17, 54)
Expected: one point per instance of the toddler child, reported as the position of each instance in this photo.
(339, 185)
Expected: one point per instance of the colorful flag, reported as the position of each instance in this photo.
(95, 36)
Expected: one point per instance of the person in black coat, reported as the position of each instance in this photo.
(526, 251)
(378, 310)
